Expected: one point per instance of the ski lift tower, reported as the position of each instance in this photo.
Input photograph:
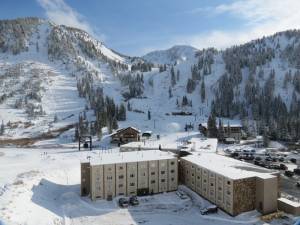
(86, 140)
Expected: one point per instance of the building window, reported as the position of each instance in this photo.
(211, 184)
(132, 175)
(204, 180)
(121, 176)
(228, 192)
(109, 178)
(192, 174)
(198, 177)
(131, 184)
(172, 179)
(162, 180)
(172, 163)
(121, 167)
(172, 171)
(228, 182)
(120, 185)
(152, 181)
(152, 173)
(220, 189)
(132, 193)
(162, 172)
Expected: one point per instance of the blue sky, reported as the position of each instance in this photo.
(135, 27)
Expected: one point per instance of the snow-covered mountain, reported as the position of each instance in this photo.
(50, 74)
(177, 53)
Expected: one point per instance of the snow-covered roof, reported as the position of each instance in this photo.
(224, 125)
(135, 156)
(203, 145)
(194, 145)
(147, 145)
(228, 167)
(289, 202)
(122, 129)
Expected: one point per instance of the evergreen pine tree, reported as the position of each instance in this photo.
(128, 106)
(211, 127)
(76, 135)
(221, 133)
(170, 92)
(202, 91)
(178, 75)
(173, 78)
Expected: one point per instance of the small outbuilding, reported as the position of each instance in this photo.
(125, 135)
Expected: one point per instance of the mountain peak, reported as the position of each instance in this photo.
(177, 53)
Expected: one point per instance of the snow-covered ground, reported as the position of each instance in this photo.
(42, 186)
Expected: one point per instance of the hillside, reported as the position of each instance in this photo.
(51, 74)
(176, 54)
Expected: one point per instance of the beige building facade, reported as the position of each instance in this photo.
(130, 173)
(232, 185)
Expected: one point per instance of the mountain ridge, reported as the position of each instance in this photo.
(231, 83)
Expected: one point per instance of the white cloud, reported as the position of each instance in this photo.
(258, 17)
(60, 12)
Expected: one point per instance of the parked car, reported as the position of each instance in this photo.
(133, 200)
(289, 173)
(283, 167)
(209, 210)
(281, 159)
(293, 160)
(297, 171)
(298, 184)
(181, 194)
(274, 159)
(234, 154)
(257, 158)
(274, 167)
(123, 202)
(269, 159)
(250, 157)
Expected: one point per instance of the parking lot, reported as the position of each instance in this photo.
(281, 160)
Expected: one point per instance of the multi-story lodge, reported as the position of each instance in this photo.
(232, 185)
(129, 173)
(231, 131)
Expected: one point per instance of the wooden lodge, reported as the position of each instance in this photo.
(125, 135)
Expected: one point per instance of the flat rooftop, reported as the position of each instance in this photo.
(228, 167)
(135, 156)
(195, 144)
(150, 145)
(202, 145)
